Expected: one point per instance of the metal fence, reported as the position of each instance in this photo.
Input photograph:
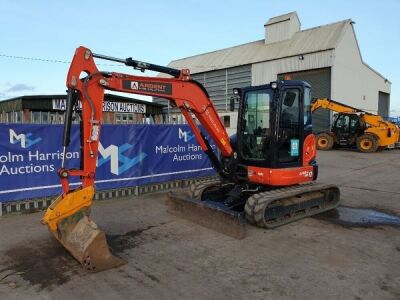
(54, 117)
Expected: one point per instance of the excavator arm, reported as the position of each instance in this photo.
(189, 96)
(68, 216)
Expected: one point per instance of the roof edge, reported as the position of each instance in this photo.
(359, 52)
(282, 18)
(261, 40)
(376, 72)
(261, 61)
(213, 51)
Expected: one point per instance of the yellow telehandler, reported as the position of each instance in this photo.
(355, 127)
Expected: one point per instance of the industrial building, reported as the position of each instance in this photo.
(50, 109)
(328, 57)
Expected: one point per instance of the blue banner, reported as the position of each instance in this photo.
(129, 155)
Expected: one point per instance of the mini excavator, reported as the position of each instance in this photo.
(266, 172)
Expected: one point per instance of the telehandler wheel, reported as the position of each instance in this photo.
(324, 141)
(367, 143)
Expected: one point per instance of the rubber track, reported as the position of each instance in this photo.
(257, 204)
(197, 188)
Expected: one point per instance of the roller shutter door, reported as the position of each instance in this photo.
(383, 105)
(320, 81)
(219, 85)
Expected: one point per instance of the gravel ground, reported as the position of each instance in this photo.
(315, 258)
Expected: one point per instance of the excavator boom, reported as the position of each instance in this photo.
(68, 216)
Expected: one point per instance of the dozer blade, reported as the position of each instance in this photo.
(68, 220)
(210, 215)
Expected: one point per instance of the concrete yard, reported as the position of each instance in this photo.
(168, 258)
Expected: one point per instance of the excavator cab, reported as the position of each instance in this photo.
(274, 120)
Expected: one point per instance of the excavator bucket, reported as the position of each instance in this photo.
(68, 220)
(207, 214)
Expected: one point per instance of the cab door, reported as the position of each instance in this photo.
(290, 129)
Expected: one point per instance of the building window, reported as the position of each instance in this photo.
(227, 121)
(124, 118)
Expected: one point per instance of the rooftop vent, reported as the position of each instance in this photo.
(281, 28)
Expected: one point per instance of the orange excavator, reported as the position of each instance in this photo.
(266, 172)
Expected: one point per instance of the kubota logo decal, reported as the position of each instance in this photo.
(119, 163)
(24, 139)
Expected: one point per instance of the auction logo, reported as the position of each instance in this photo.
(24, 139)
(185, 135)
(119, 163)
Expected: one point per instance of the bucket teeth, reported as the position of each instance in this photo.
(86, 243)
(68, 220)
(98, 257)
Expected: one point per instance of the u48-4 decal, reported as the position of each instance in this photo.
(306, 174)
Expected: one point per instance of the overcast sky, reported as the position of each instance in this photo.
(159, 31)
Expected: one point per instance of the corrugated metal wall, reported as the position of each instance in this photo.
(265, 72)
(282, 30)
(278, 32)
(320, 81)
(219, 85)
